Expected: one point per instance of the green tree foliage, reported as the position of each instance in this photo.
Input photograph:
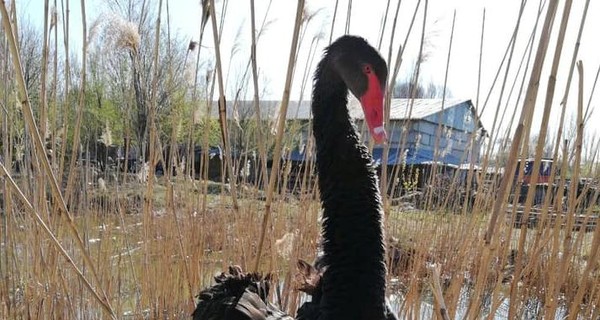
(124, 55)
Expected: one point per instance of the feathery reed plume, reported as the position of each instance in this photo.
(121, 34)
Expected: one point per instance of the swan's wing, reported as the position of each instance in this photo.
(213, 309)
(308, 311)
(252, 307)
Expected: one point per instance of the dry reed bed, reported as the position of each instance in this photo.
(144, 249)
(143, 272)
(139, 260)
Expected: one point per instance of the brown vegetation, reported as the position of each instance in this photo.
(73, 246)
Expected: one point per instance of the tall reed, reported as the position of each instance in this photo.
(123, 248)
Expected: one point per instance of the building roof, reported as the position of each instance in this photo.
(421, 108)
(301, 110)
(400, 109)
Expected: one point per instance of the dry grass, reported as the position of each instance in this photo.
(133, 258)
(125, 248)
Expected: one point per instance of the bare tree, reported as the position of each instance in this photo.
(403, 90)
(548, 146)
(30, 40)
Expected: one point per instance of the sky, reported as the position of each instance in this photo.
(366, 17)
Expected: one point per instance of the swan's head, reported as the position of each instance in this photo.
(365, 73)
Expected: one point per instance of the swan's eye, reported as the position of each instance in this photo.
(367, 69)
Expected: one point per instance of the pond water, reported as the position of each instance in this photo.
(531, 310)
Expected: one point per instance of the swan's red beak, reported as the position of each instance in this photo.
(372, 104)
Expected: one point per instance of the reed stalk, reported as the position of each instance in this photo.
(348, 17)
(53, 117)
(280, 131)
(567, 244)
(436, 147)
(259, 132)
(523, 125)
(222, 109)
(526, 115)
(414, 81)
(335, 10)
(40, 150)
(30, 209)
(590, 265)
(67, 83)
(174, 161)
(508, 54)
(7, 206)
(383, 25)
(387, 109)
(152, 264)
(392, 84)
(502, 250)
(539, 149)
(205, 4)
(43, 117)
(43, 103)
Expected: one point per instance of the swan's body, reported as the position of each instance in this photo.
(354, 251)
(353, 283)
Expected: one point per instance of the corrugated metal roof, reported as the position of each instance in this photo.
(301, 110)
(401, 108)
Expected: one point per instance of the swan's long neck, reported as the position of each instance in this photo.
(354, 283)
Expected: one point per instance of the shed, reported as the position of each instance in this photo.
(422, 121)
(414, 127)
(455, 121)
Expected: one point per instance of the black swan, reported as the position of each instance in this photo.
(351, 283)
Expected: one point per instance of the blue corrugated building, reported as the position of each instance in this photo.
(413, 129)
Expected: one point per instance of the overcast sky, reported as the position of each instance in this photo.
(366, 17)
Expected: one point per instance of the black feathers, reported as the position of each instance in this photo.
(237, 295)
(353, 285)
